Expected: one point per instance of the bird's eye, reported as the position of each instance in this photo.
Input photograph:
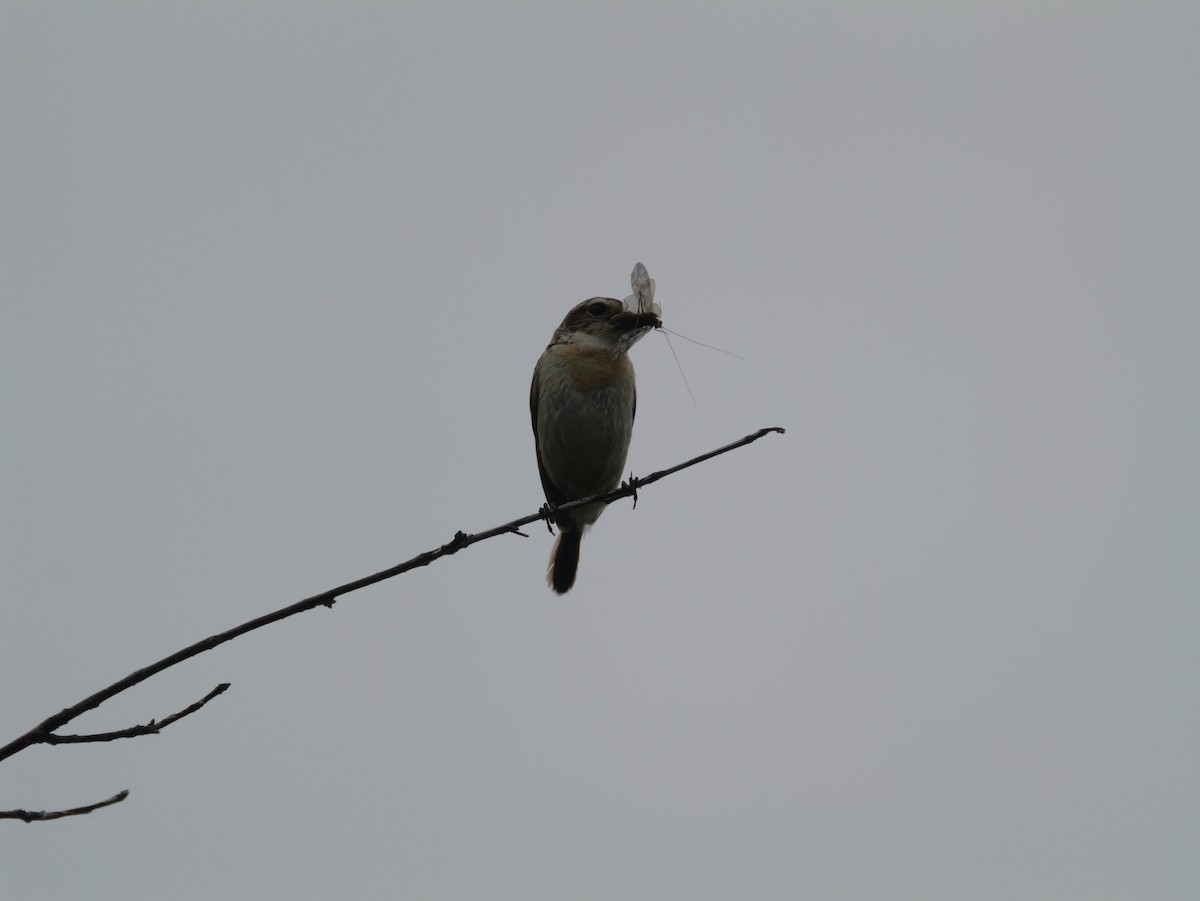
(597, 309)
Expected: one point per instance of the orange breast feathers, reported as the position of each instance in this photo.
(587, 369)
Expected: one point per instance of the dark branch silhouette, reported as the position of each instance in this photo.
(30, 816)
(151, 728)
(45, 732)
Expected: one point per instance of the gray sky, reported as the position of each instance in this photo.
(275, 276)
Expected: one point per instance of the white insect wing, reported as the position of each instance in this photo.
(640, 301)
(642, 298)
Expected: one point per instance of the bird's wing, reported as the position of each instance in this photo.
(553, 493)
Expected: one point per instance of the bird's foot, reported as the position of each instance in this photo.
(549, 514)
(632, 483)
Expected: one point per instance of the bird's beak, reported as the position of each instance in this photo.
(633, 327)
(628, 322)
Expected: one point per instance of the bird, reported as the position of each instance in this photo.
(582, 402)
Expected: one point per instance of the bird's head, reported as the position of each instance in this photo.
(604, 324)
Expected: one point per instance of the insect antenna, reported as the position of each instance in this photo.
(702, 344)
(682, 375)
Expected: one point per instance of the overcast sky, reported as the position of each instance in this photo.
(275, 277)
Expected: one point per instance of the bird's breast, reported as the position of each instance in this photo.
(587, 369)
(584, 418)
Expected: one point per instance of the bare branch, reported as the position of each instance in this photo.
(30, 816)
(43, 733)
(151, 728)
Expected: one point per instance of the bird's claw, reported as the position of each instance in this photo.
(632, 484)
(549, 514)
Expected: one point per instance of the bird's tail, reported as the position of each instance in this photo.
(564, 559)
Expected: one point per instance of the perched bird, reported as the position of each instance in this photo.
(583, 401)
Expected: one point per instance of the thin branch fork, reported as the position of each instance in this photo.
(151, 728)
(45, 732)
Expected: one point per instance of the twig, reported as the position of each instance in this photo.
(151, 728)
(43, 733)
(30, 816)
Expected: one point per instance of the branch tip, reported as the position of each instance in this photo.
(34, 816)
